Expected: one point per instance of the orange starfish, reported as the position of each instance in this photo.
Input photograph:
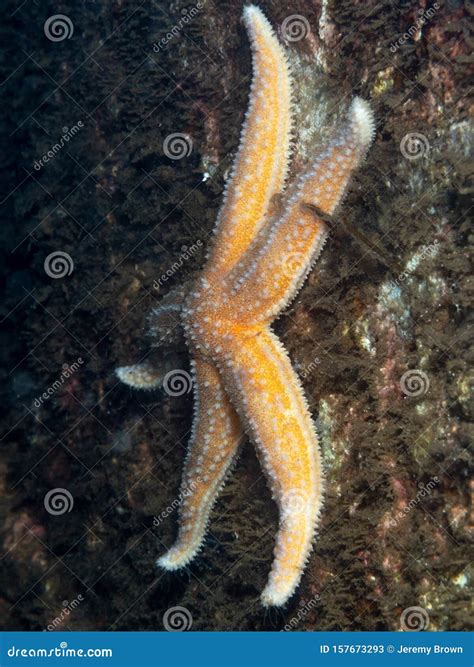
(243, 378)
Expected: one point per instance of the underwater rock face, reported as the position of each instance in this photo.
(378, 334)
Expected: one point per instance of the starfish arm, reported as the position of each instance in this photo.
(215, 441)
(164, 321)
(291, 246)
(261, 165)
(140, 376)
(268, 396)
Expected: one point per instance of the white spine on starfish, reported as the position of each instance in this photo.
(261, 164)
(294, 242)
(215, 439)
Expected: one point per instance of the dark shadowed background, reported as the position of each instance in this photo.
(379, 334)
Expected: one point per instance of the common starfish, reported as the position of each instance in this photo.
(260, 256)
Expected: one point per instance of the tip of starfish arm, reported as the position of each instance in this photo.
(252, 14)
(275, 596)
(250, 11)
(170, 562)
(363, 118)
(179, 556)
(139, 376)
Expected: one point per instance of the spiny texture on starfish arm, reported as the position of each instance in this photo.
(261, 164)
(215, 440)
(140, 376)
(287, 249)
(269, 396)
(243, 379)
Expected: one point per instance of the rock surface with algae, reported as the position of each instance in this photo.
(379, 333)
